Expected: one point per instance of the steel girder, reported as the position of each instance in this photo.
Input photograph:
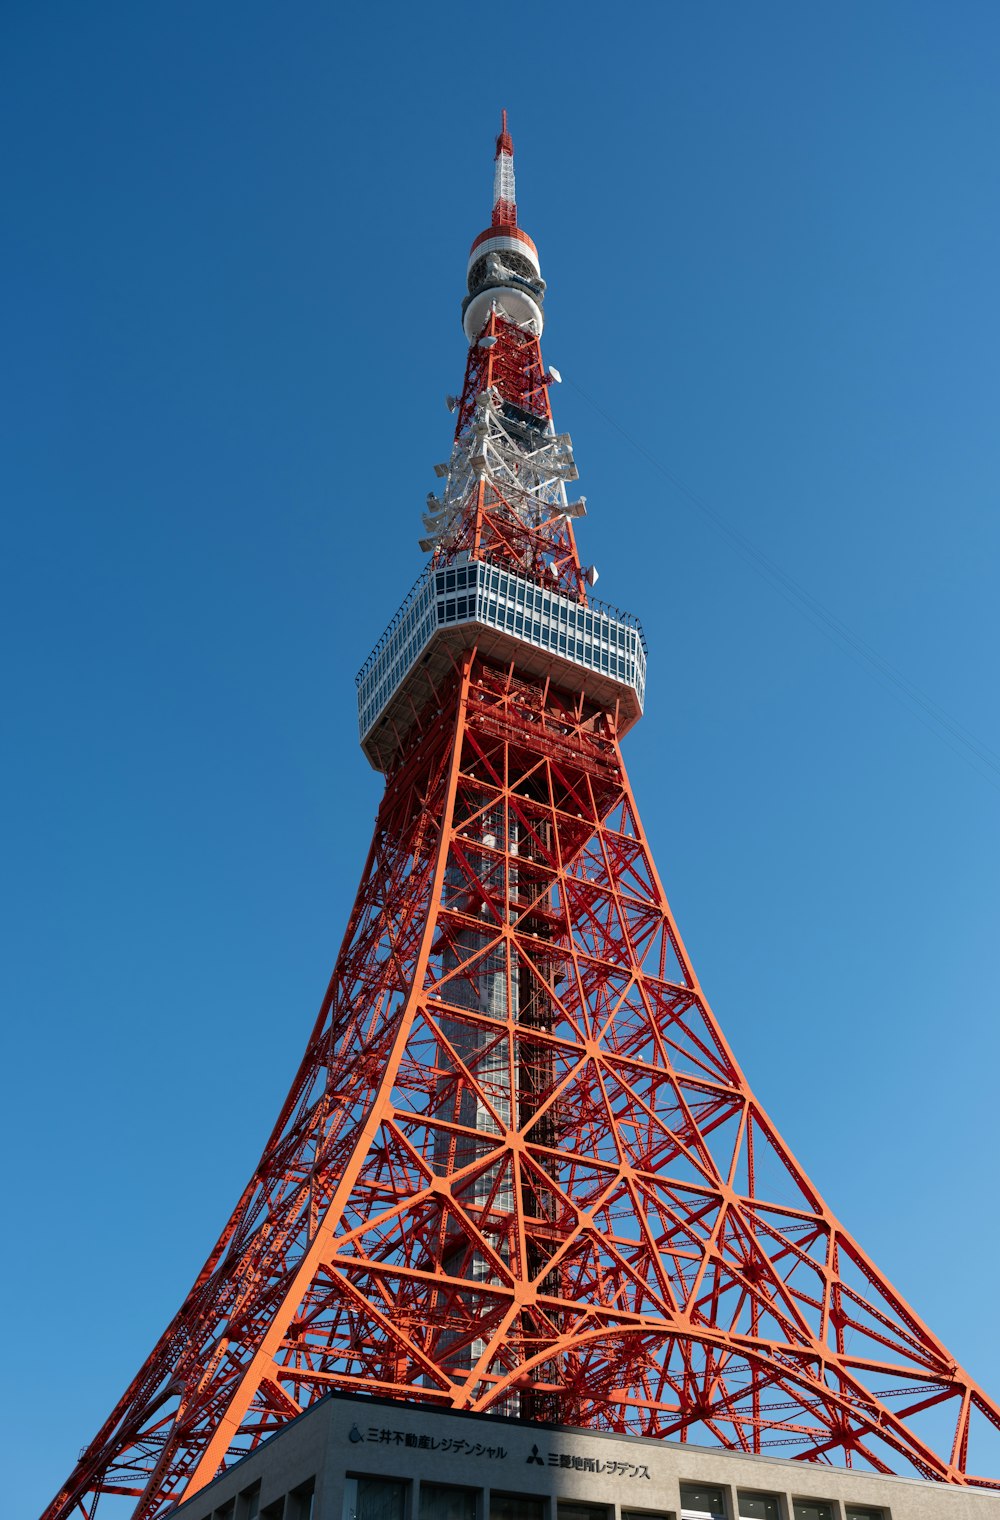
(505, 495)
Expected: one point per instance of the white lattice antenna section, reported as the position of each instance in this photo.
(503, 181)
(504, 195)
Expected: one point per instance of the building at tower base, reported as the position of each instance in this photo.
(374, 1459)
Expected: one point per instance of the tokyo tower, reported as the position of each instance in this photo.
(519, 1170)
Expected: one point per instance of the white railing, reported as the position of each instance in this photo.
(594, 636)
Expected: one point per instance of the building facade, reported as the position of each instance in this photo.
(371, 1459)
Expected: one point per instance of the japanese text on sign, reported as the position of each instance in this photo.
(381, 1435)
(589, 1464)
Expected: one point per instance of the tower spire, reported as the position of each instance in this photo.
(504, 196)
(505, 496)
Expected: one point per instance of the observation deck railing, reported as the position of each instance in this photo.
(593, 636)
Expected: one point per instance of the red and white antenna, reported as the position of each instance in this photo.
(504, 197)
(503, 269)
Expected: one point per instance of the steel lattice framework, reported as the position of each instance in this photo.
(519, 1169)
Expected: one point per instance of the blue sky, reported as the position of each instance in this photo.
(234, 255)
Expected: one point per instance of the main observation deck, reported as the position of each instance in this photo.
(589, 647)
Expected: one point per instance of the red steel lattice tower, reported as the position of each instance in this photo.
(519, 1169)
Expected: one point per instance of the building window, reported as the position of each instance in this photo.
(759, 1507)
(812, 1509)
(440, 1502)
(861, 1512)
(248, 1507)
(374, 1499)
(581, 1511)
(226, 1511)
(300, 1502)
(702, 1499)
(645, 1514)
(516, 1507)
